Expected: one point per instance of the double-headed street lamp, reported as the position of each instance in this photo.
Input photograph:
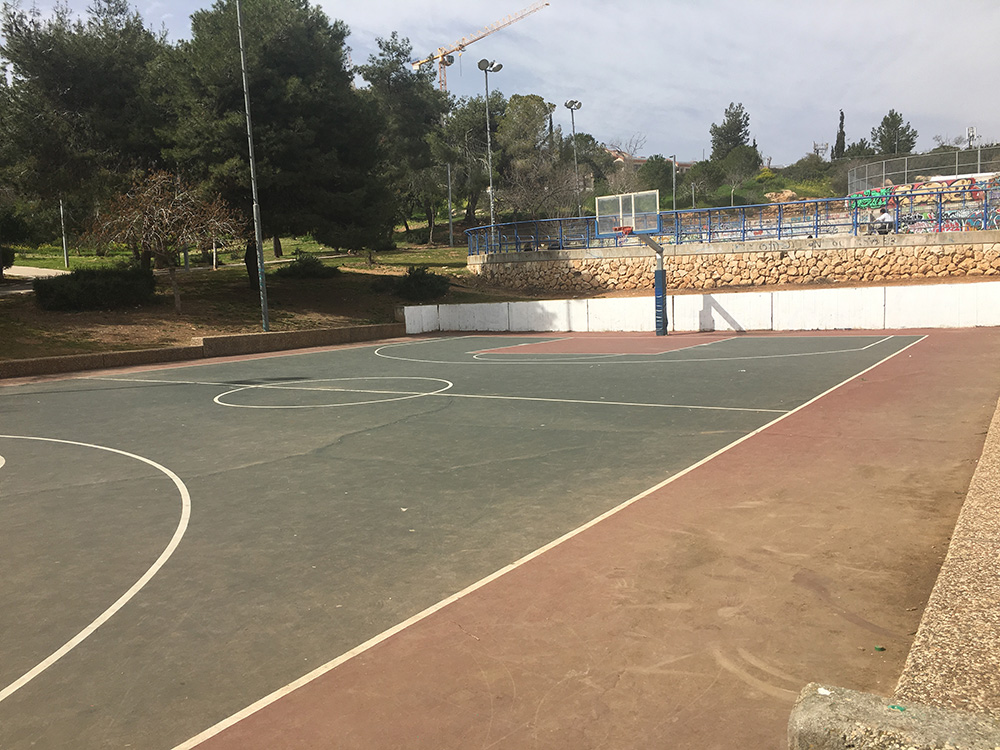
(573, 105)
(489, 66)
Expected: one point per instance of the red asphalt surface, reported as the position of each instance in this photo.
(692, 617)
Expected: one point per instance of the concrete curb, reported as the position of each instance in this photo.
(211, 346)
(954, 662)
(825, 718)
(948, 696)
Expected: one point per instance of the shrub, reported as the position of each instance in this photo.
(6, 257)
(419, 284)
(306, 266)
(96, 289)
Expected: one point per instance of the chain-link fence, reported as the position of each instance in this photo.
(903, 170)
(964, 205)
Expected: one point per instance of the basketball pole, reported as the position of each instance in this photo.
(659, 285)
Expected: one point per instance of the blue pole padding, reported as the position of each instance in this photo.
(659, 287)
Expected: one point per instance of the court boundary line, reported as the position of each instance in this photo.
(134, 589)
(666, 360)
(329, 666)
(476, 354)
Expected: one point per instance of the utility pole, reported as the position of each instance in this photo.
(258, 232)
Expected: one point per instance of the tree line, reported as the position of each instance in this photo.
(96, 113)
(93, 109)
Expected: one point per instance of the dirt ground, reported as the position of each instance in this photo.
(226, 305)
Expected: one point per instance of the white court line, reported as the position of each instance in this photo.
(400, 395)
(484, 356)
(589, 357)
(662, 358)
(372, 642)
(612, 403)
(135, 588)
(875, 343)
(444, 393)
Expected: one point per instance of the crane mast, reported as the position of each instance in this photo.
(444, 55)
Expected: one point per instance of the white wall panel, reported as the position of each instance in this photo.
(748, 311)
(421, 318)
(956, 305)
(938, 306)
(621, 314)
(488, 316)
(830, 309)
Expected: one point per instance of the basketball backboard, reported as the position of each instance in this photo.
(640, 211)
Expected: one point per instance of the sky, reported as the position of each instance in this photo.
(659, 73)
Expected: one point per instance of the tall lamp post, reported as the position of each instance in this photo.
(573, 105)
(489, 66)
(258, 232)
(673, 177)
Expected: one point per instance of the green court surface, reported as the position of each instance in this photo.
(179, 542)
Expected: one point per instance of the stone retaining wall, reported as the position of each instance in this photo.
(847, 260)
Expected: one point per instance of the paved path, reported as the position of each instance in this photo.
(28, 272)
(21, 276)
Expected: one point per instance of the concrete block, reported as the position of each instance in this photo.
(832, 718)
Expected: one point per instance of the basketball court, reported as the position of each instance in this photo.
(559, 541)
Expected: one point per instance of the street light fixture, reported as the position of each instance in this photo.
(573, 105)
(489, 66)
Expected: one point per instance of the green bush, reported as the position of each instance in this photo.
(96, 289)
(6, 257)
(306, 266)
(419, 284)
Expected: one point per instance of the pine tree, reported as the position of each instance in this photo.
(840, 145)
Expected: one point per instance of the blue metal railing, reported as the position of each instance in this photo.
(968, 208)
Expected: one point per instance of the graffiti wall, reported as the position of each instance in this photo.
(959, 205)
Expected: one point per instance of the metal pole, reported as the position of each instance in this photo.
(258, 232)
(572, 105)
(576, 164)
(62, 223)
(451, 224)
(489, 146)
(673, 178)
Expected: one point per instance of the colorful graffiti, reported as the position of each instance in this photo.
(959, 205)
(875, 198)
(921, 193)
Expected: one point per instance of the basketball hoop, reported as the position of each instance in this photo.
(623, 231)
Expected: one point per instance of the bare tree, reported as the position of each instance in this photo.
(625, 178)
(540, 189)
(158, 217)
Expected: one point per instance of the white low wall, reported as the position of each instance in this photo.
(962, 305)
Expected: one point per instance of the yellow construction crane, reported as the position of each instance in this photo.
(444, 55)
